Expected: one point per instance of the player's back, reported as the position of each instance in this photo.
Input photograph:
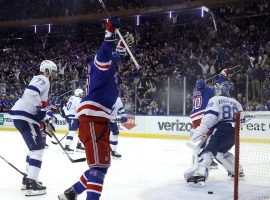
(200, 101)
(225, 108)
(72, 106)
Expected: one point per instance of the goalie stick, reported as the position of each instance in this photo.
(22, 173)
(50, 130)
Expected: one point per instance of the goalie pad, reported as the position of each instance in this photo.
(227, 161)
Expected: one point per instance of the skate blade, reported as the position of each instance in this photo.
(30, 193)
(199, 184)
(116, 158)
(69, 152)
(80, 151)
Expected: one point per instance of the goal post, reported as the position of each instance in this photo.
(252, 155)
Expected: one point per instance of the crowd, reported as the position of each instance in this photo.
(34, 9)
(166, 50)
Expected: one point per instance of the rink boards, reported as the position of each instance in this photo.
(255, 130)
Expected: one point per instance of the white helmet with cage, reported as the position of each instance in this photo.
(49, 65)
(78, 92)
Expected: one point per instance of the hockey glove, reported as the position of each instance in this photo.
(120, 48)
(197, 135)
(124, 119)
(49, 127)
(112, 24)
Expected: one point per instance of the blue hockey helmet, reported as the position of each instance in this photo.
(200, 84)
(222, 89)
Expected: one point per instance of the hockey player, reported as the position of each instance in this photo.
(118, 108)
(220, 118)
(70, 112)
(27, 114)
(94, 116)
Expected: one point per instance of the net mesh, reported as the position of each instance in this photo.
(254, 156)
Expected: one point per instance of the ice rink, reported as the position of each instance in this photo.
(150, 169)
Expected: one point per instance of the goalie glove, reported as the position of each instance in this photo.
(120, 48)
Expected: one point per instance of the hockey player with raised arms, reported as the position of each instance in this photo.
(70, 111)
(219, 117)
(94, 115)
(118, 108)
(201, 95)
(27, 114)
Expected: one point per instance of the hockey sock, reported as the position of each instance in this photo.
(70, 137)
(95, 179)
(35, 162)
(27, 164)
(81, 185)
(113, 142)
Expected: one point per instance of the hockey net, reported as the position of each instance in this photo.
(252, 155)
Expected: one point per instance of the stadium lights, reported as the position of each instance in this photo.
(202, 11)
(138, 20)
(49, 28)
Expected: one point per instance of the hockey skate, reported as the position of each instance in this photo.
(196, 181)
(116, 155)
(241, 174)
(24, 183)
(69, 194)
(80, 148)
(68, 149)
(33, 188)
(213, 165)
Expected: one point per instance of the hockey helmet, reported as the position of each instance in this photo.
(78, 92)
(200, 84)
(49, 65)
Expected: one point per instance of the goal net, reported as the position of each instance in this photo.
(252, 155)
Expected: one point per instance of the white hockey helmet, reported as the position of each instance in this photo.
(48, 64)
(78, 92)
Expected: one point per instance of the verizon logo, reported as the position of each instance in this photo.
(174, 126)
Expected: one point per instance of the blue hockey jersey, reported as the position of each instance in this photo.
(102, 84)
(200, 101)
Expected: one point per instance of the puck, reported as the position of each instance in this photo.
(210, 192)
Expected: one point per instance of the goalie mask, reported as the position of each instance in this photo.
(222, 89)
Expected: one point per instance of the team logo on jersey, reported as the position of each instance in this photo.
(130, 123)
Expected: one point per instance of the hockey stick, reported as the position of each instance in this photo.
(50, 130)
(121, 37)
(56, 143)
(22, 173)
(196, 149)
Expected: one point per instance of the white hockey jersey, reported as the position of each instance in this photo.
(219, 109)
(25, 107)
(118, 109)
(72, 105)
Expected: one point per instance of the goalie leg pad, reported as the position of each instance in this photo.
(227, 161)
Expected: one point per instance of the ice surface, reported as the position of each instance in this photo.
(150, 169)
